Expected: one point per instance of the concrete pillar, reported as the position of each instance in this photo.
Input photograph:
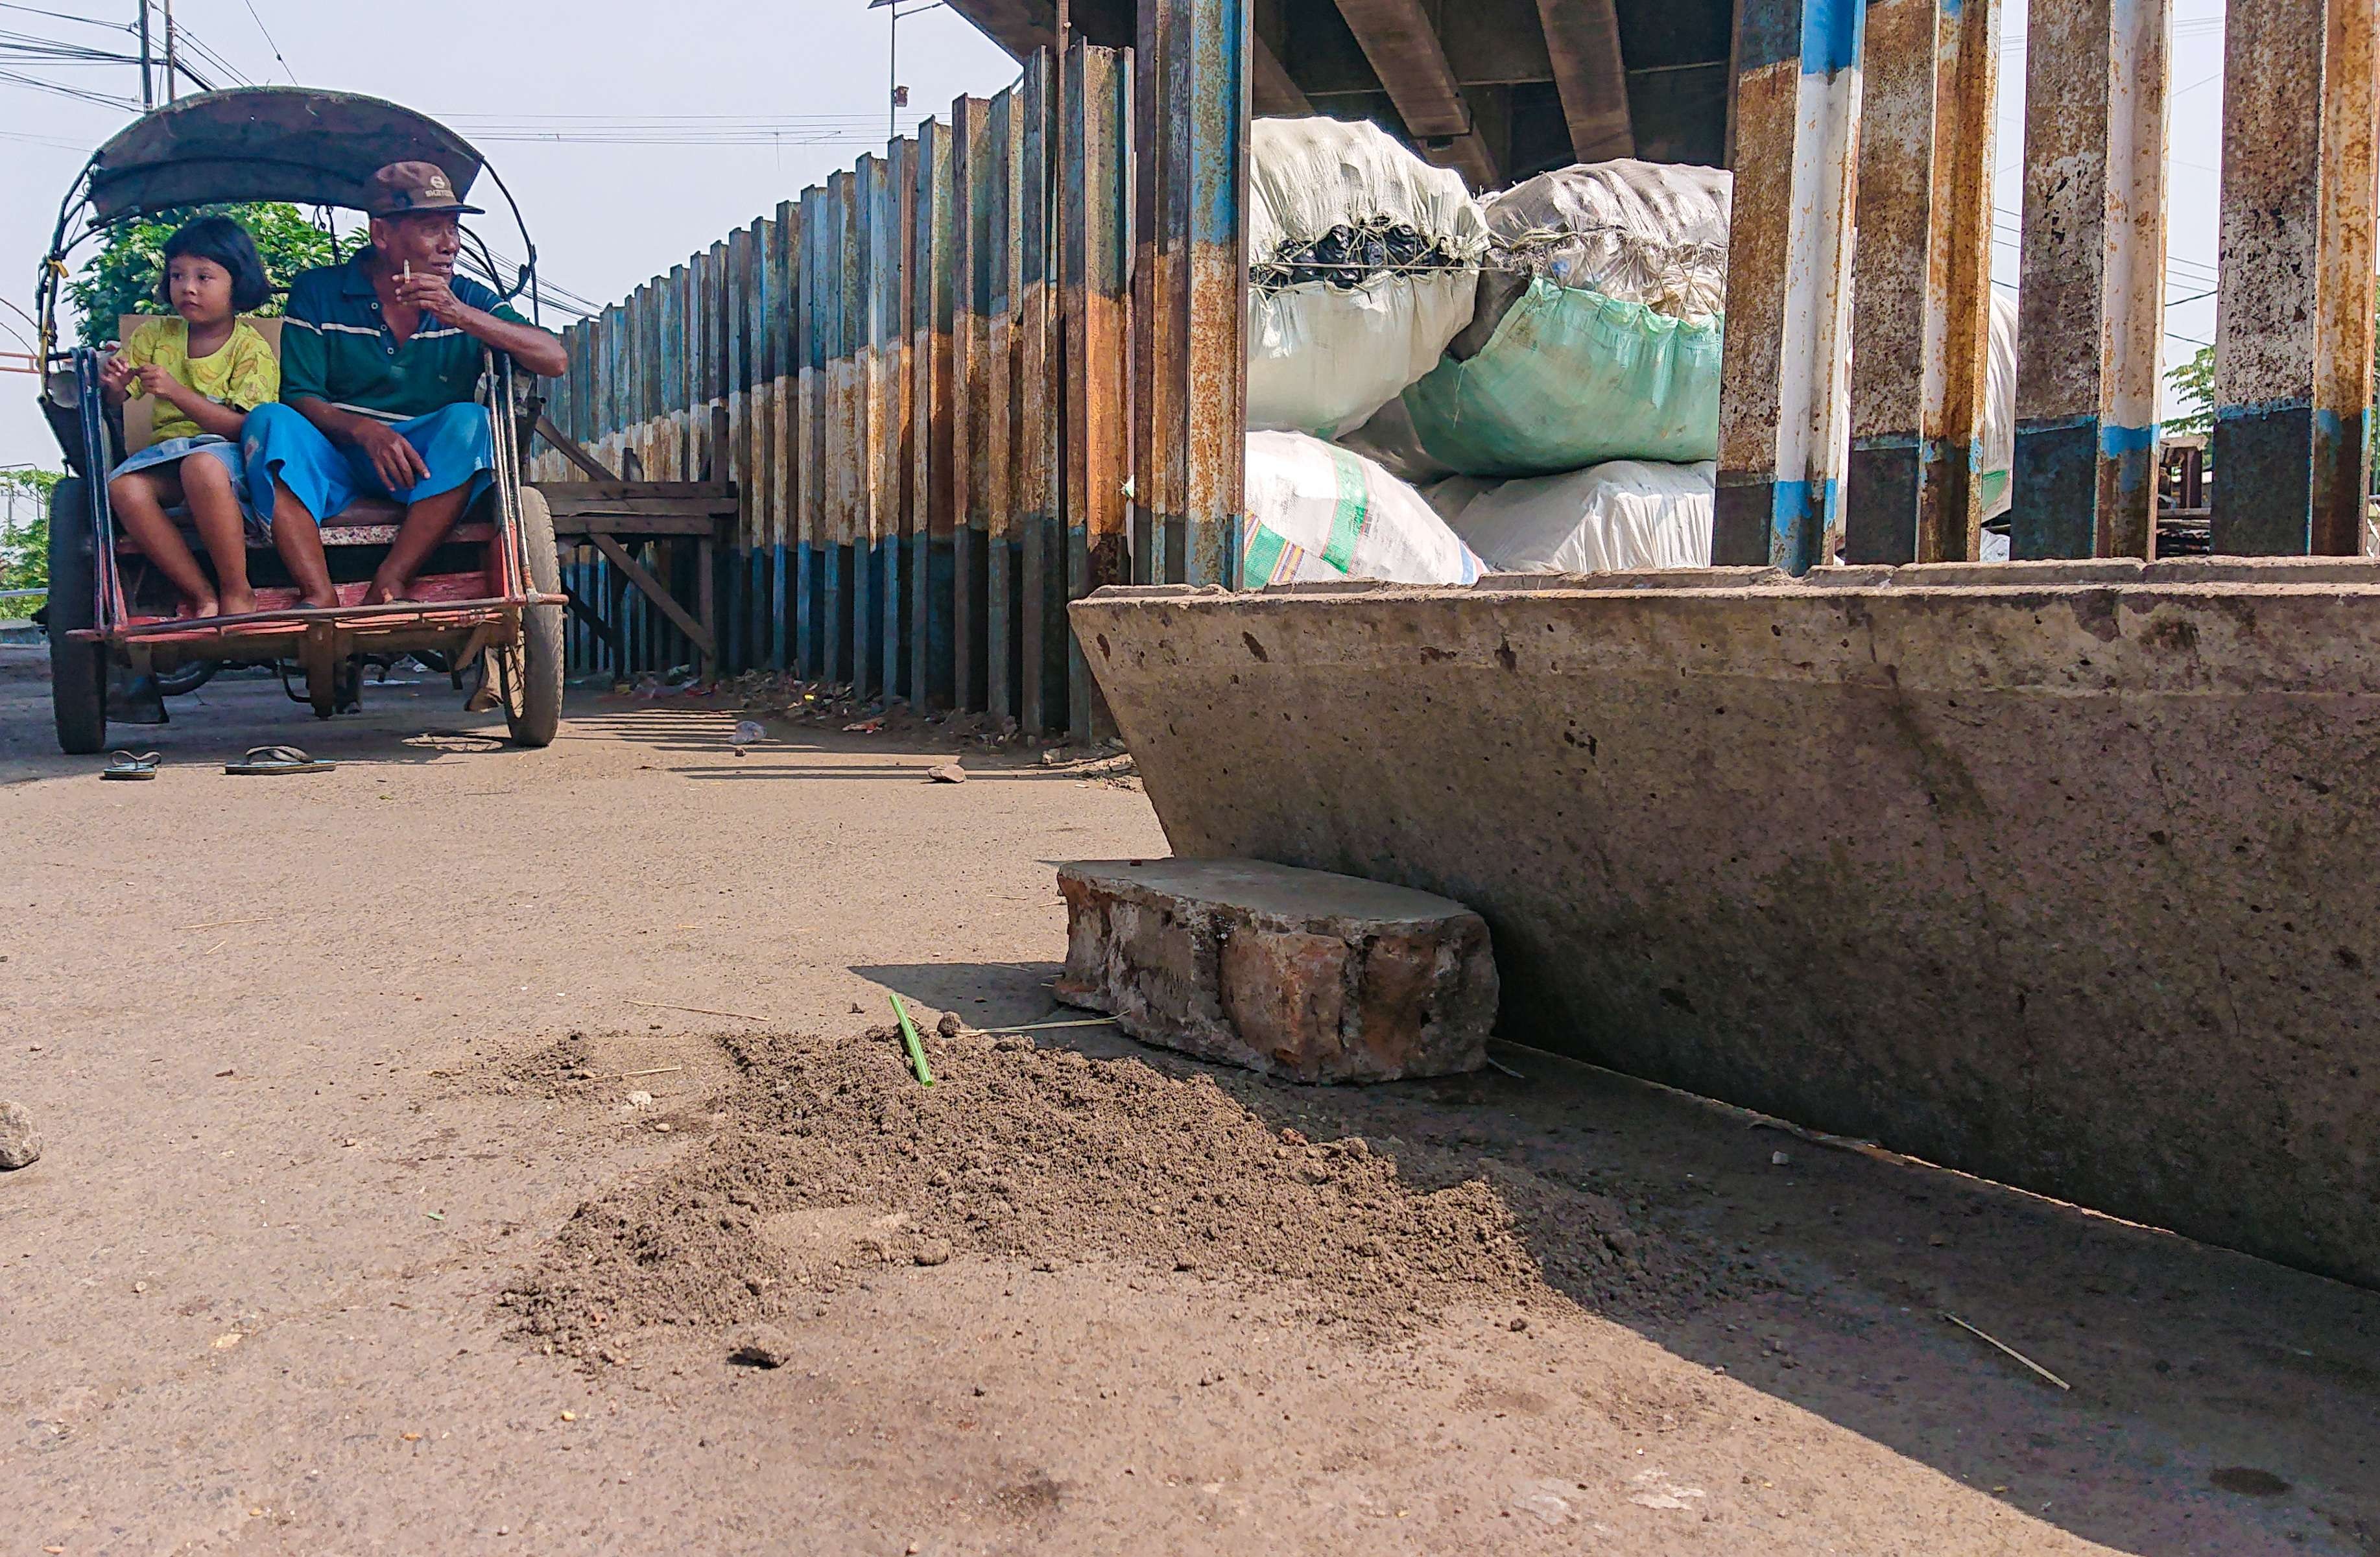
(1782, 408)
(1922, 281)
(2294, 347)
(2092, 293)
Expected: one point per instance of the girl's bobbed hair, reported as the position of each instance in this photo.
(226, 243)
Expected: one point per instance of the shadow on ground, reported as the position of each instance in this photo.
(2215, 1402)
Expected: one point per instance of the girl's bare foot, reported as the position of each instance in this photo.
(202, 605)
(237, 602)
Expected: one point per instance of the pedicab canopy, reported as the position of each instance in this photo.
(282, 143)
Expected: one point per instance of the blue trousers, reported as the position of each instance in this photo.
(279, 443)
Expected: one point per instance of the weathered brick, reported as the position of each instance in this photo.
(1295, 973)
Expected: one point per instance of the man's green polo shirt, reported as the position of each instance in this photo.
(335, 346)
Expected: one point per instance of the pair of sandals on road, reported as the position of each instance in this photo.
(260, 759)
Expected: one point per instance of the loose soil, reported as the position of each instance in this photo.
(1044, 1154)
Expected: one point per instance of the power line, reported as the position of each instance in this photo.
(61, 144)
(269, 43)
(105, 100)
(62, 16)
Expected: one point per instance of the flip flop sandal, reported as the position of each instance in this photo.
(130, 765)
(278, 759)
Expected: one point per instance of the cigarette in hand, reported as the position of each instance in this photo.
(408, 269)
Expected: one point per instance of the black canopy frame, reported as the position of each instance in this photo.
(254, 143)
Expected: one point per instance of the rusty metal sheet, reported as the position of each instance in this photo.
(1190, 373)
(894, 302)
(974, 175)
(809, 432)
(733, 274)
(1095, 261)
(1005, 150)
(839, 424)
(784, 360)
(1159, 321)
(936, 476)
(1041, 545)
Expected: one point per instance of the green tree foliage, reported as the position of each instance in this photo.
(2192, 384)
(122, 277)
(24, 535)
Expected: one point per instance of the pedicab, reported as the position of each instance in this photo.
(488, 604)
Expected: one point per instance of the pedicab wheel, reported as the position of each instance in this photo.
(535, 712)
(187, 676)
(77, 670)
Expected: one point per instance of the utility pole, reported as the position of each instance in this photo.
(172, 87)
(896, 95)
(148, 84)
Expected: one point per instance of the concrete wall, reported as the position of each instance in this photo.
(2058, 872)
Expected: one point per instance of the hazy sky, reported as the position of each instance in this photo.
(608, 216)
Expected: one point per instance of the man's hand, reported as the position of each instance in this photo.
(399, 463)
(424, 289)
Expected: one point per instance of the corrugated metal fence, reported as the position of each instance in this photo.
(920, 490)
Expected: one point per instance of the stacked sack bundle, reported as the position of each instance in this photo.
(1363, 261)
(1597, 330)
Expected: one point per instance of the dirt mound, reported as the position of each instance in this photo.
(832, 1159)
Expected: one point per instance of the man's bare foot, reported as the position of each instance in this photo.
(201, 605)
(388, 591)
(236, 602)
(322, 601)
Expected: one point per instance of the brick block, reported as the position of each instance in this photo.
(1294, 973)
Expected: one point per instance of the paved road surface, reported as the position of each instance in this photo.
(250, 1290)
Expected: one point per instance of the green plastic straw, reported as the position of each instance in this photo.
(909, 1041)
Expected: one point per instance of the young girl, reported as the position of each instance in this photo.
(207, 370)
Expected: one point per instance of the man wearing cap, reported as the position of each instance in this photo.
(380, 361)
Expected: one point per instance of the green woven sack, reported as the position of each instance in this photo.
(1571, 377)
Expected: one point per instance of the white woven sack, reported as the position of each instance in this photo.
(1606, 518)
(1317, 513)
(1323, 357)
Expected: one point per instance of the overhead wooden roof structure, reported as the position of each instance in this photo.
(1497, 89)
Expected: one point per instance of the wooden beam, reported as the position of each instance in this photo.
(594, 620)
(1270, 90)
(1404, 52)
(569, 450)
(1582, 40)
(652, 589)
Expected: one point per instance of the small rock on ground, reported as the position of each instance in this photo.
(760, 1346)
(20, 1144)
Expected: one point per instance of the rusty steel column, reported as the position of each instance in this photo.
(1781, 406)
(2092, 296)
(2293, 316)
(1190, 347)
(1921, 281)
